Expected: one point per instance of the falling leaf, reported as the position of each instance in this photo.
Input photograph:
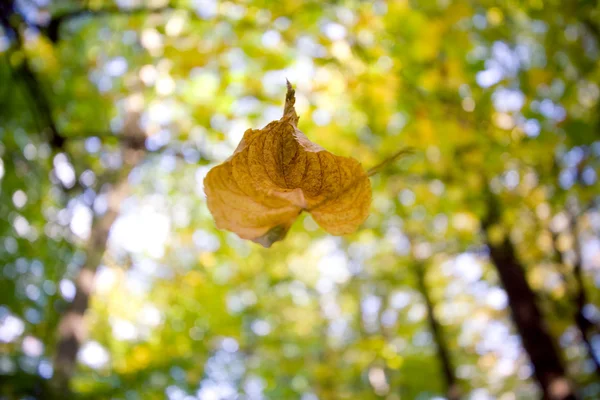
(276, 173)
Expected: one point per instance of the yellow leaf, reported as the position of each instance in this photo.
(276, 173)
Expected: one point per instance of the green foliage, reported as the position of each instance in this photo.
(495, 97)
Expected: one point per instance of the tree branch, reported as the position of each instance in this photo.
(11, 22)
(452, 388)
(585, 326)
(52, 30)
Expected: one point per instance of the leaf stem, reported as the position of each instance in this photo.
(377, 168)
(289, 112)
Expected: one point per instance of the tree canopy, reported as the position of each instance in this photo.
(475, 274)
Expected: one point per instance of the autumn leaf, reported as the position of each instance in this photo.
(276, 173)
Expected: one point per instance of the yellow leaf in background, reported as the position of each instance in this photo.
(276, 173)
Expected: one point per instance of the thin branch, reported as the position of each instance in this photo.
(34, 88)
(580, 300)
(452, 387)
(52, 31)
(138, 142)
(592, 28)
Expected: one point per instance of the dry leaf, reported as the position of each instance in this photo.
(276, 173)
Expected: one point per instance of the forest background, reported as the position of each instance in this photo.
(475, 276)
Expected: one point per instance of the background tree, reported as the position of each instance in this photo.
(498, 100)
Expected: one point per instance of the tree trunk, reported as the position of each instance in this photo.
(72, 329)
(537, 340)
(452, 388)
